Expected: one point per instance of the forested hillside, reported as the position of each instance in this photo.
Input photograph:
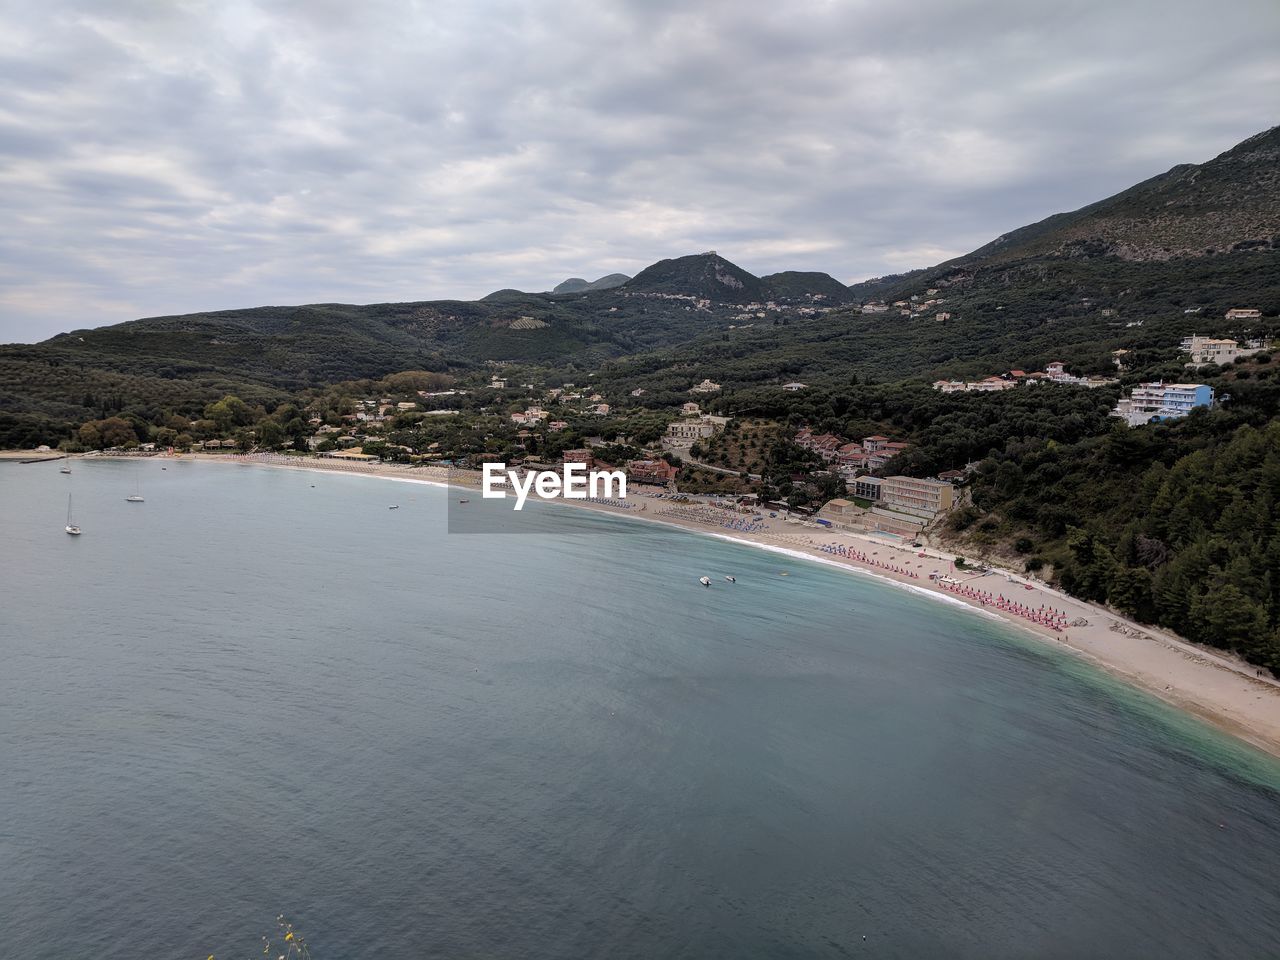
(1176, 524)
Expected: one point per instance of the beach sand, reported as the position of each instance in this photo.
(1208, 683)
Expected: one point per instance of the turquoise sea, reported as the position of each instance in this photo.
(251, 696)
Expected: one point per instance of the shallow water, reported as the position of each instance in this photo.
(248, 696)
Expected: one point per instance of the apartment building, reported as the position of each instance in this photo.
(1152, 402)
(922, 498)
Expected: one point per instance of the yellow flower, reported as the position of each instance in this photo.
(289, 936)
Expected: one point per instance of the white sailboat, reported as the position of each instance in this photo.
(137, 490)
(71, 527)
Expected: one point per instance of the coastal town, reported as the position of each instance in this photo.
(701, 446)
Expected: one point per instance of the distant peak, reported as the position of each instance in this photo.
(578, 285)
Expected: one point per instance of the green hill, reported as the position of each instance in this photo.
(705, 276)
(578, 285)
(797, 285)
(1120, 273)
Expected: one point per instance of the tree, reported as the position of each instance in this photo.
(1226, 618)
(228, 412)
(91, 436)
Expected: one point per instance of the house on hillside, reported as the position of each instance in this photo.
(1157, 401)
(651, 471)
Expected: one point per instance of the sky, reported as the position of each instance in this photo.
(171, 156)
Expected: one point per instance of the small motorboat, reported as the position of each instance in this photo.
(134, 499)
(705, 581)
(732, 579)
(464, 500)
(394, 506)
(65, 470)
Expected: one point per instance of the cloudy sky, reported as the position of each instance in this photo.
(166, 156)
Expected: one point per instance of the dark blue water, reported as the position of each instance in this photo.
(247, 697)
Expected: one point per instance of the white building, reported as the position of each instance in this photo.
(1206, 350)
(1153, 402)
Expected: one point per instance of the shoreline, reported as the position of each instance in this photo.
(1205, 683)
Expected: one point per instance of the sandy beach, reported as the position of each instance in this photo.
(1208, 683)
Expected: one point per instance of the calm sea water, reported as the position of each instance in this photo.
(249, 696)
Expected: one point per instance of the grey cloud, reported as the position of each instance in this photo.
(162, 158)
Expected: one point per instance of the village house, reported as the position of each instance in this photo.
(1243, 313)
(690, 408)
(706, 386)
(601, 410)
(794, 387)
(872, 454)
(688, 431)
(651, 471)
(1207, 350)
(990, 385)
(555, 426)
(875, 306)
(583, 456)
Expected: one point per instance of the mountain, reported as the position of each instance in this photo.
(578, 285)
(1229, 204)
(796, 285)
(1137, 271)
(265, 353)
(705, 276)
(1116, 274)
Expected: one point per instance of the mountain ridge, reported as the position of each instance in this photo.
(578, 285)
(1066, 283)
